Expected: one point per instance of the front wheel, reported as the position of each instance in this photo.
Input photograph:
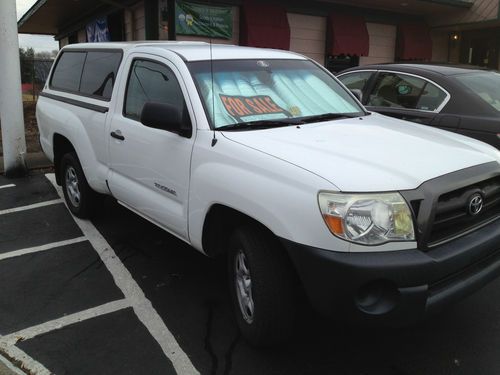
(79, 196)
(262, 286)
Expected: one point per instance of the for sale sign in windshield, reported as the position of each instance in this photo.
(241, 106)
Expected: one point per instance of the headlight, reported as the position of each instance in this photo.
(368, 219)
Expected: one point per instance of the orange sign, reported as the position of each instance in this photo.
(241, 106)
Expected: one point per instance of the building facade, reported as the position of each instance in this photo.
(335, 33)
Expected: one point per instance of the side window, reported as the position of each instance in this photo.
(356, 80)
(68, 71)
(431, 99)
(151, 82)
(99, 73)
(403, 91)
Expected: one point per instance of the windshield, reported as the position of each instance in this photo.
(256, 91)
(485, 85)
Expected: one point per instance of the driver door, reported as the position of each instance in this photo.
(150, 168)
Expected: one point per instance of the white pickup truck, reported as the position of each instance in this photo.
(263, 156)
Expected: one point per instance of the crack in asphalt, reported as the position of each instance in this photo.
(208, 345)
(98, 263)
(229, 354)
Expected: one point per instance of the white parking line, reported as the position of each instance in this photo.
(10, 366)
(134, 294)
(26, 361)
(30, 207)
(40, 329)
(7, 186)
(8, 342)
(35, 249)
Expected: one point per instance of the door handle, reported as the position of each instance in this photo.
(118, 135)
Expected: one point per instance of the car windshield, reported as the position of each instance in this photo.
(485, 85)
(266, 93)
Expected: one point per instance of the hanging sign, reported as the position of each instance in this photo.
(203, 20)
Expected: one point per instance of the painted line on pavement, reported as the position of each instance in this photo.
(10, 366)
(30, 207)
(134, 294)
(36, 249)
(7, 186)
(27, 363)
(8, 342)
(40, 329)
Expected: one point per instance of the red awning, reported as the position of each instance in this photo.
(414, 42)
(348, 35)
(264, 26)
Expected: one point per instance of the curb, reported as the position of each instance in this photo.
(35, 160)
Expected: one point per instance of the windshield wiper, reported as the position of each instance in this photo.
(261, 124)
(328, 116)
(266, 124)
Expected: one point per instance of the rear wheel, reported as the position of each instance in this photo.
(79, 196)
(262, 286)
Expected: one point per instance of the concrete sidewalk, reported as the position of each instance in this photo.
(36, 160)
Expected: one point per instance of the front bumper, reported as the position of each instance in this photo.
(398, 286)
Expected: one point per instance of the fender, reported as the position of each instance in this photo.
(227, 174)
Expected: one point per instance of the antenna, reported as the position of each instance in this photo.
(214, 139)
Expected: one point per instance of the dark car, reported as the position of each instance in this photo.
(462, 99)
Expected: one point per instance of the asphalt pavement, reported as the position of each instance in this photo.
(120, 296)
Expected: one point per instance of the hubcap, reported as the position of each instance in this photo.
(244, 286)
(72, 187)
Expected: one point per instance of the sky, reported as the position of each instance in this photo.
(39, 43)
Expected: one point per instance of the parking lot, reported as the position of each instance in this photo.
(119, 296)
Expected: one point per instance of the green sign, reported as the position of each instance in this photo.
(203, 20)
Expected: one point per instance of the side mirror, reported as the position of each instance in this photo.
(165, 117)
(358, 94)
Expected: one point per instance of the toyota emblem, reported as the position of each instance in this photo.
(475, 204)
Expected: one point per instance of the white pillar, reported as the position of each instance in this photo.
(11, 101)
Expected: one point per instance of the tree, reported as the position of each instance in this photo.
(26, 57)
(46, 55)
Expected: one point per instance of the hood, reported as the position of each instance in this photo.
(372, 153)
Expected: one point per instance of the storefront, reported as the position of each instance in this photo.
(336, 34)
(480, 47)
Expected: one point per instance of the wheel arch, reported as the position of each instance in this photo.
(62, 145)
(220, 221)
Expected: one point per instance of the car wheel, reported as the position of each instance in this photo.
(79, 196)
(262, 286)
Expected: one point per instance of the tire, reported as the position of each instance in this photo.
(269, 286)
(79, 196)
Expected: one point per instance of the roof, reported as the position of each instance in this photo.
(55, 17)
(52, 17)
(442, 68)
(197, 51)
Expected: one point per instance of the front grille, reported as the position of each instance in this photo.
(440, 205)
(451, 212)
